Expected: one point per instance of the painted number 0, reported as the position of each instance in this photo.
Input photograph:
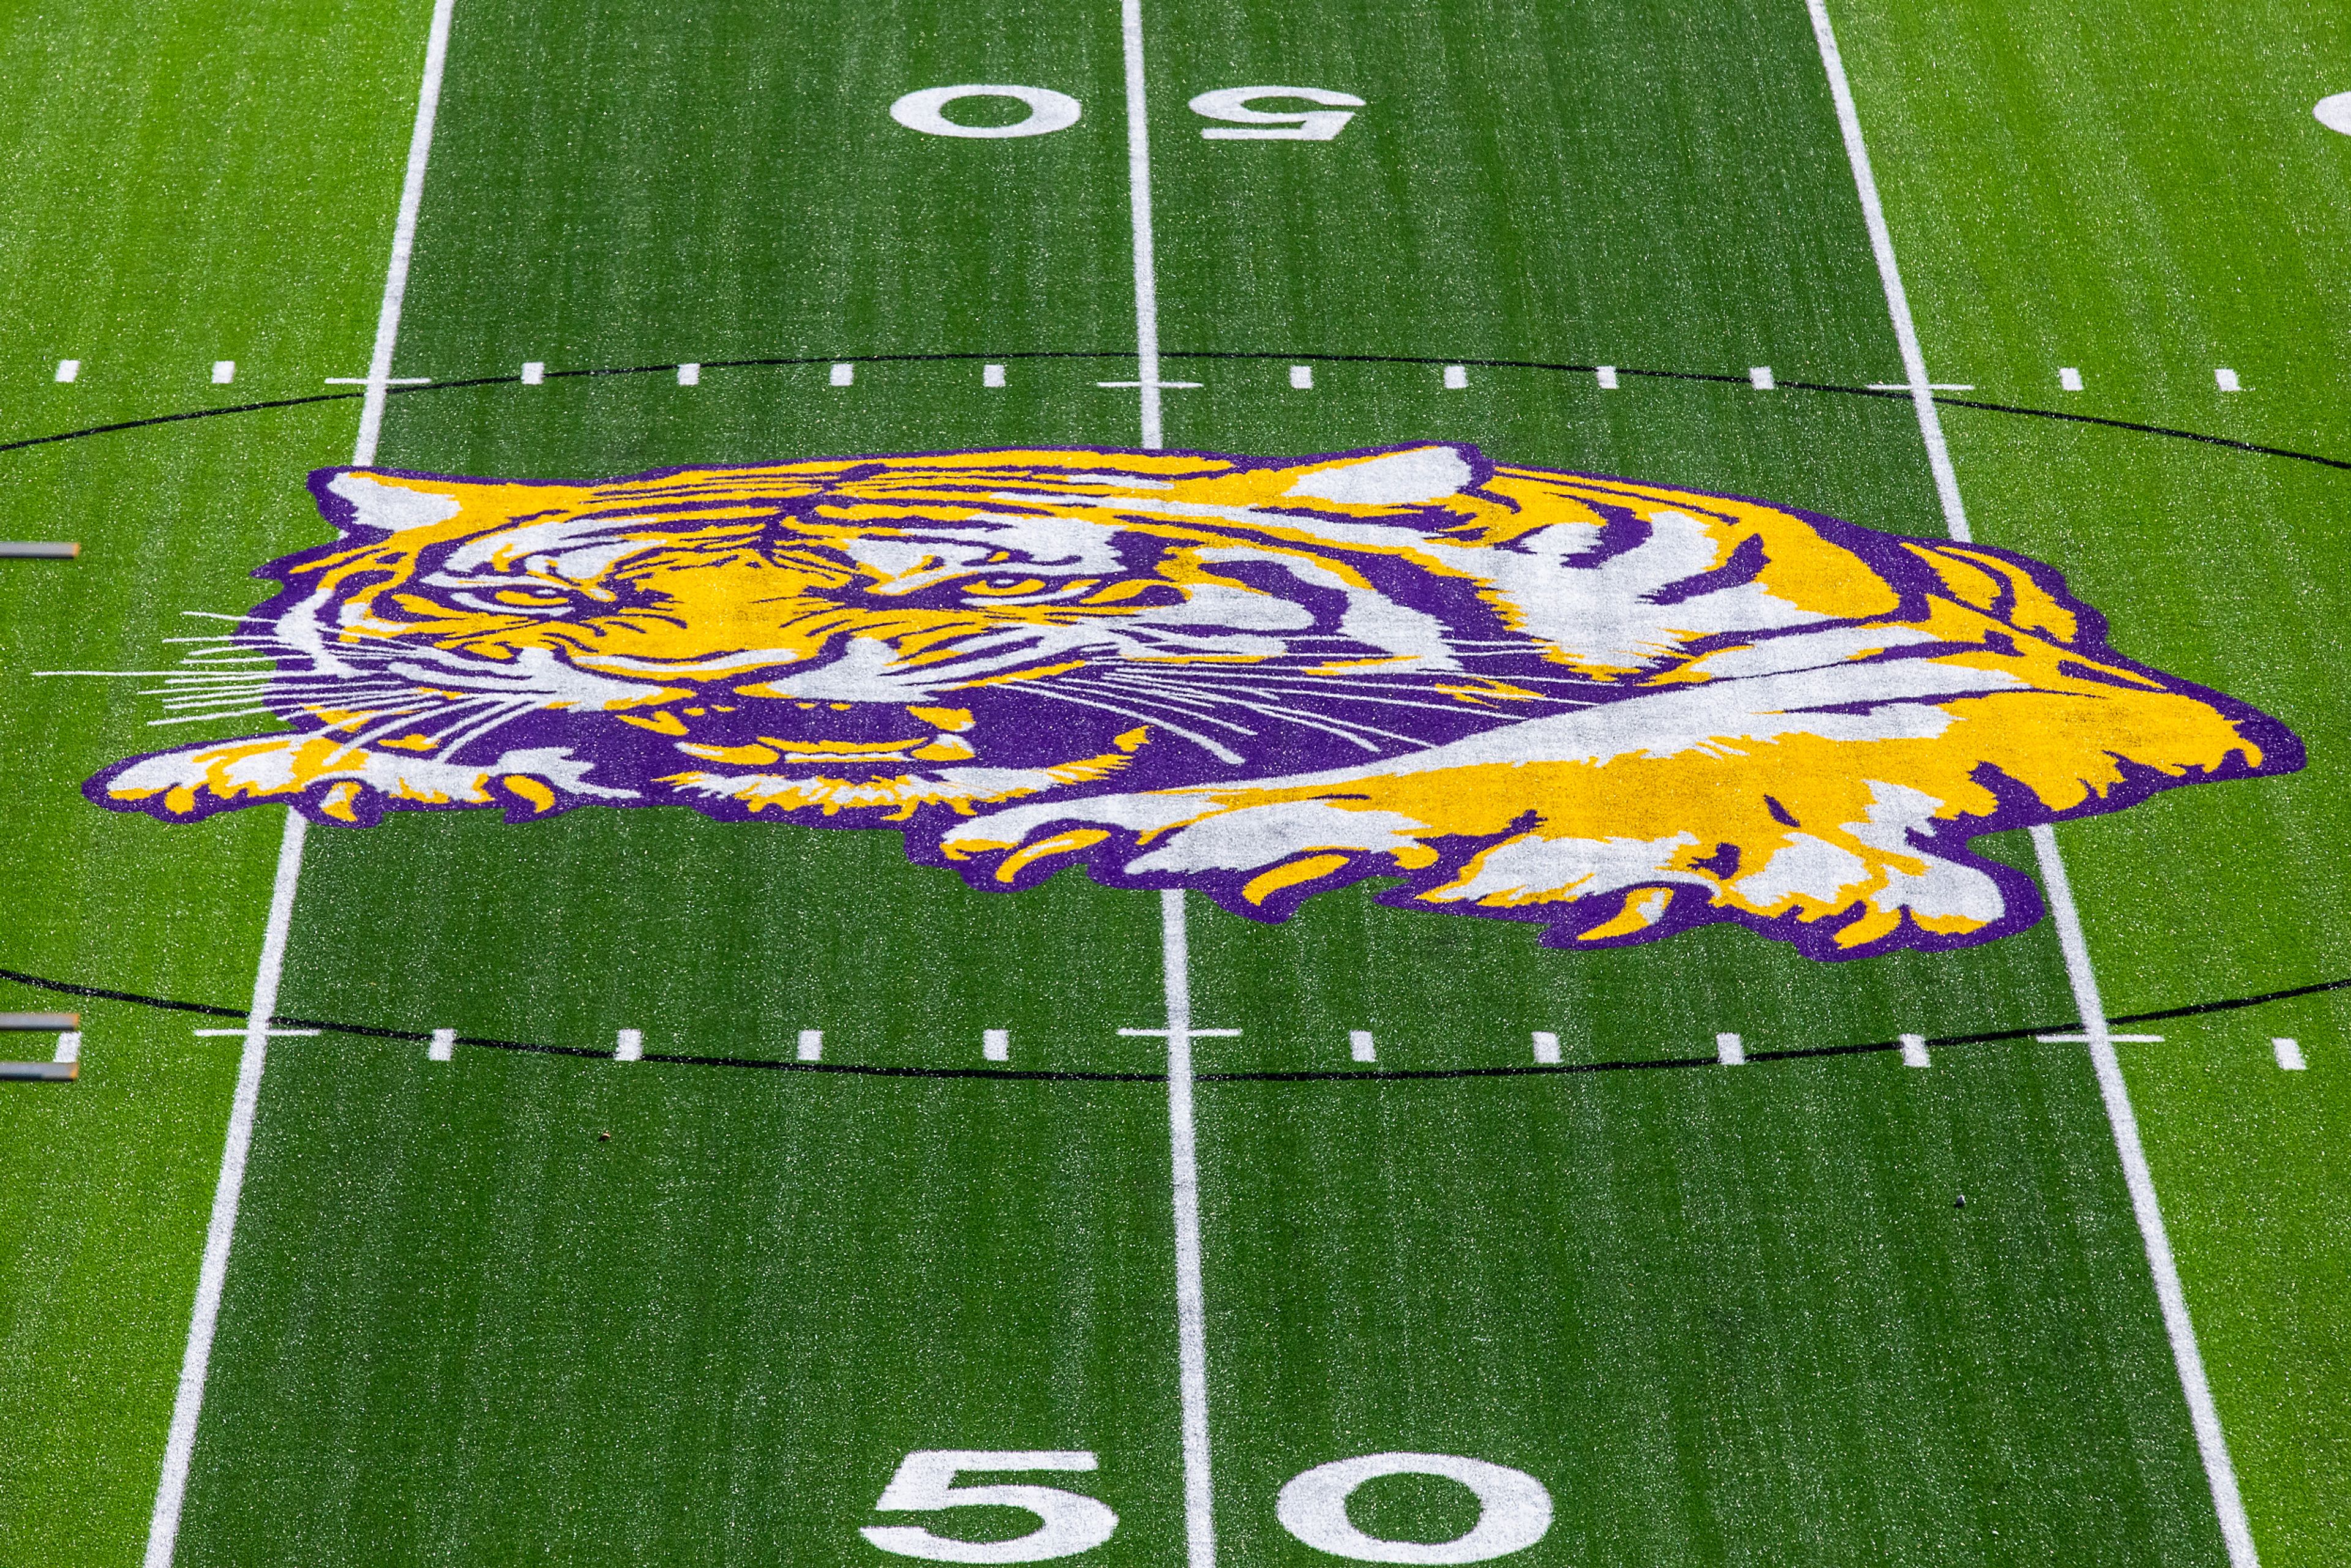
(1049, 111)
(1513, 1508)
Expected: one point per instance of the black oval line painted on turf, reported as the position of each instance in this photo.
(1538, 1070)
(1034, 1075)
(783, 363)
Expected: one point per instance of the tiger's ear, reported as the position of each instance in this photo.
(1406, 476)
(383, 503)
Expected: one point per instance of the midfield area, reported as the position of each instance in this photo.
(489, 1305)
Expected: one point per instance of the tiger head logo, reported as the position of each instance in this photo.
(1614, 708)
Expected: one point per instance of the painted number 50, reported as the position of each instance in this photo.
(1513, 1510)
(1048, 111)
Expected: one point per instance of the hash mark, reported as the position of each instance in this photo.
(1360, 1047)
(2289, 1055)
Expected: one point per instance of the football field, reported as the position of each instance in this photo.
(579, 1179)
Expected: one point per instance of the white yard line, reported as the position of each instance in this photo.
(1138, 188)
(2236, 1531)
(196, 1364)
(188, 1404)
(2211, 1443)
(1897, 303)
(404, 235)
(1175, 955)
(1191, 1300)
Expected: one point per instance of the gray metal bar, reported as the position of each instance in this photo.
(39, 550)
(41, 1023)
(40, 1071)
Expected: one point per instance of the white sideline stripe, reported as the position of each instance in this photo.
(844, 375)
(629, 1045)
(69, 369)
(1607, 376)
(1914, 1052)
(211, 1276)
(444, 1047)
(812, 1047)
(1730, 1050)
(1146, 275)
(2069, 379)
(1759, 378)
(187, 1404)
(271, 1033)
(991, 375)
(2094, 1039)
(2212, 1445)
(2228, 1504)
(1302, 378)
(2289, 1053)
(689, 375)
(1897, 303)
(534, 372)
(1457, 378)
(2226, 379)
(1360, 1045)
(69, 1046)
(995, 1044)
(224, 371)
(1546, 1047)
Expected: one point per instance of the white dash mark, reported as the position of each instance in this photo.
(995, 1045)
(2226, 379)
(2289, 1053)
(811, 1045)
(2069, 378)
(1457, 378)
(1546, 1047)
(69, 1047)
(1730, 1050)
(1607, 375)
(1302, 378)
(1759, 378)
(225, 371)
(629, 1045)
(444, 1046)
(1360, 1045)
(689, 375)
(1914, 1052)
(534, 372)
(844, 375)
(69, 369)
(991, 375)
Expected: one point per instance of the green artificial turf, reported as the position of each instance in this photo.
(1725, 1316)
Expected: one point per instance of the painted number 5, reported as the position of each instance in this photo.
(1067, 1523)
(1232, 103)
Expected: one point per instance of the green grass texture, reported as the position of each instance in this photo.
(1727, 1316)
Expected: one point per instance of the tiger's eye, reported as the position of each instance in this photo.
(1006, 585)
